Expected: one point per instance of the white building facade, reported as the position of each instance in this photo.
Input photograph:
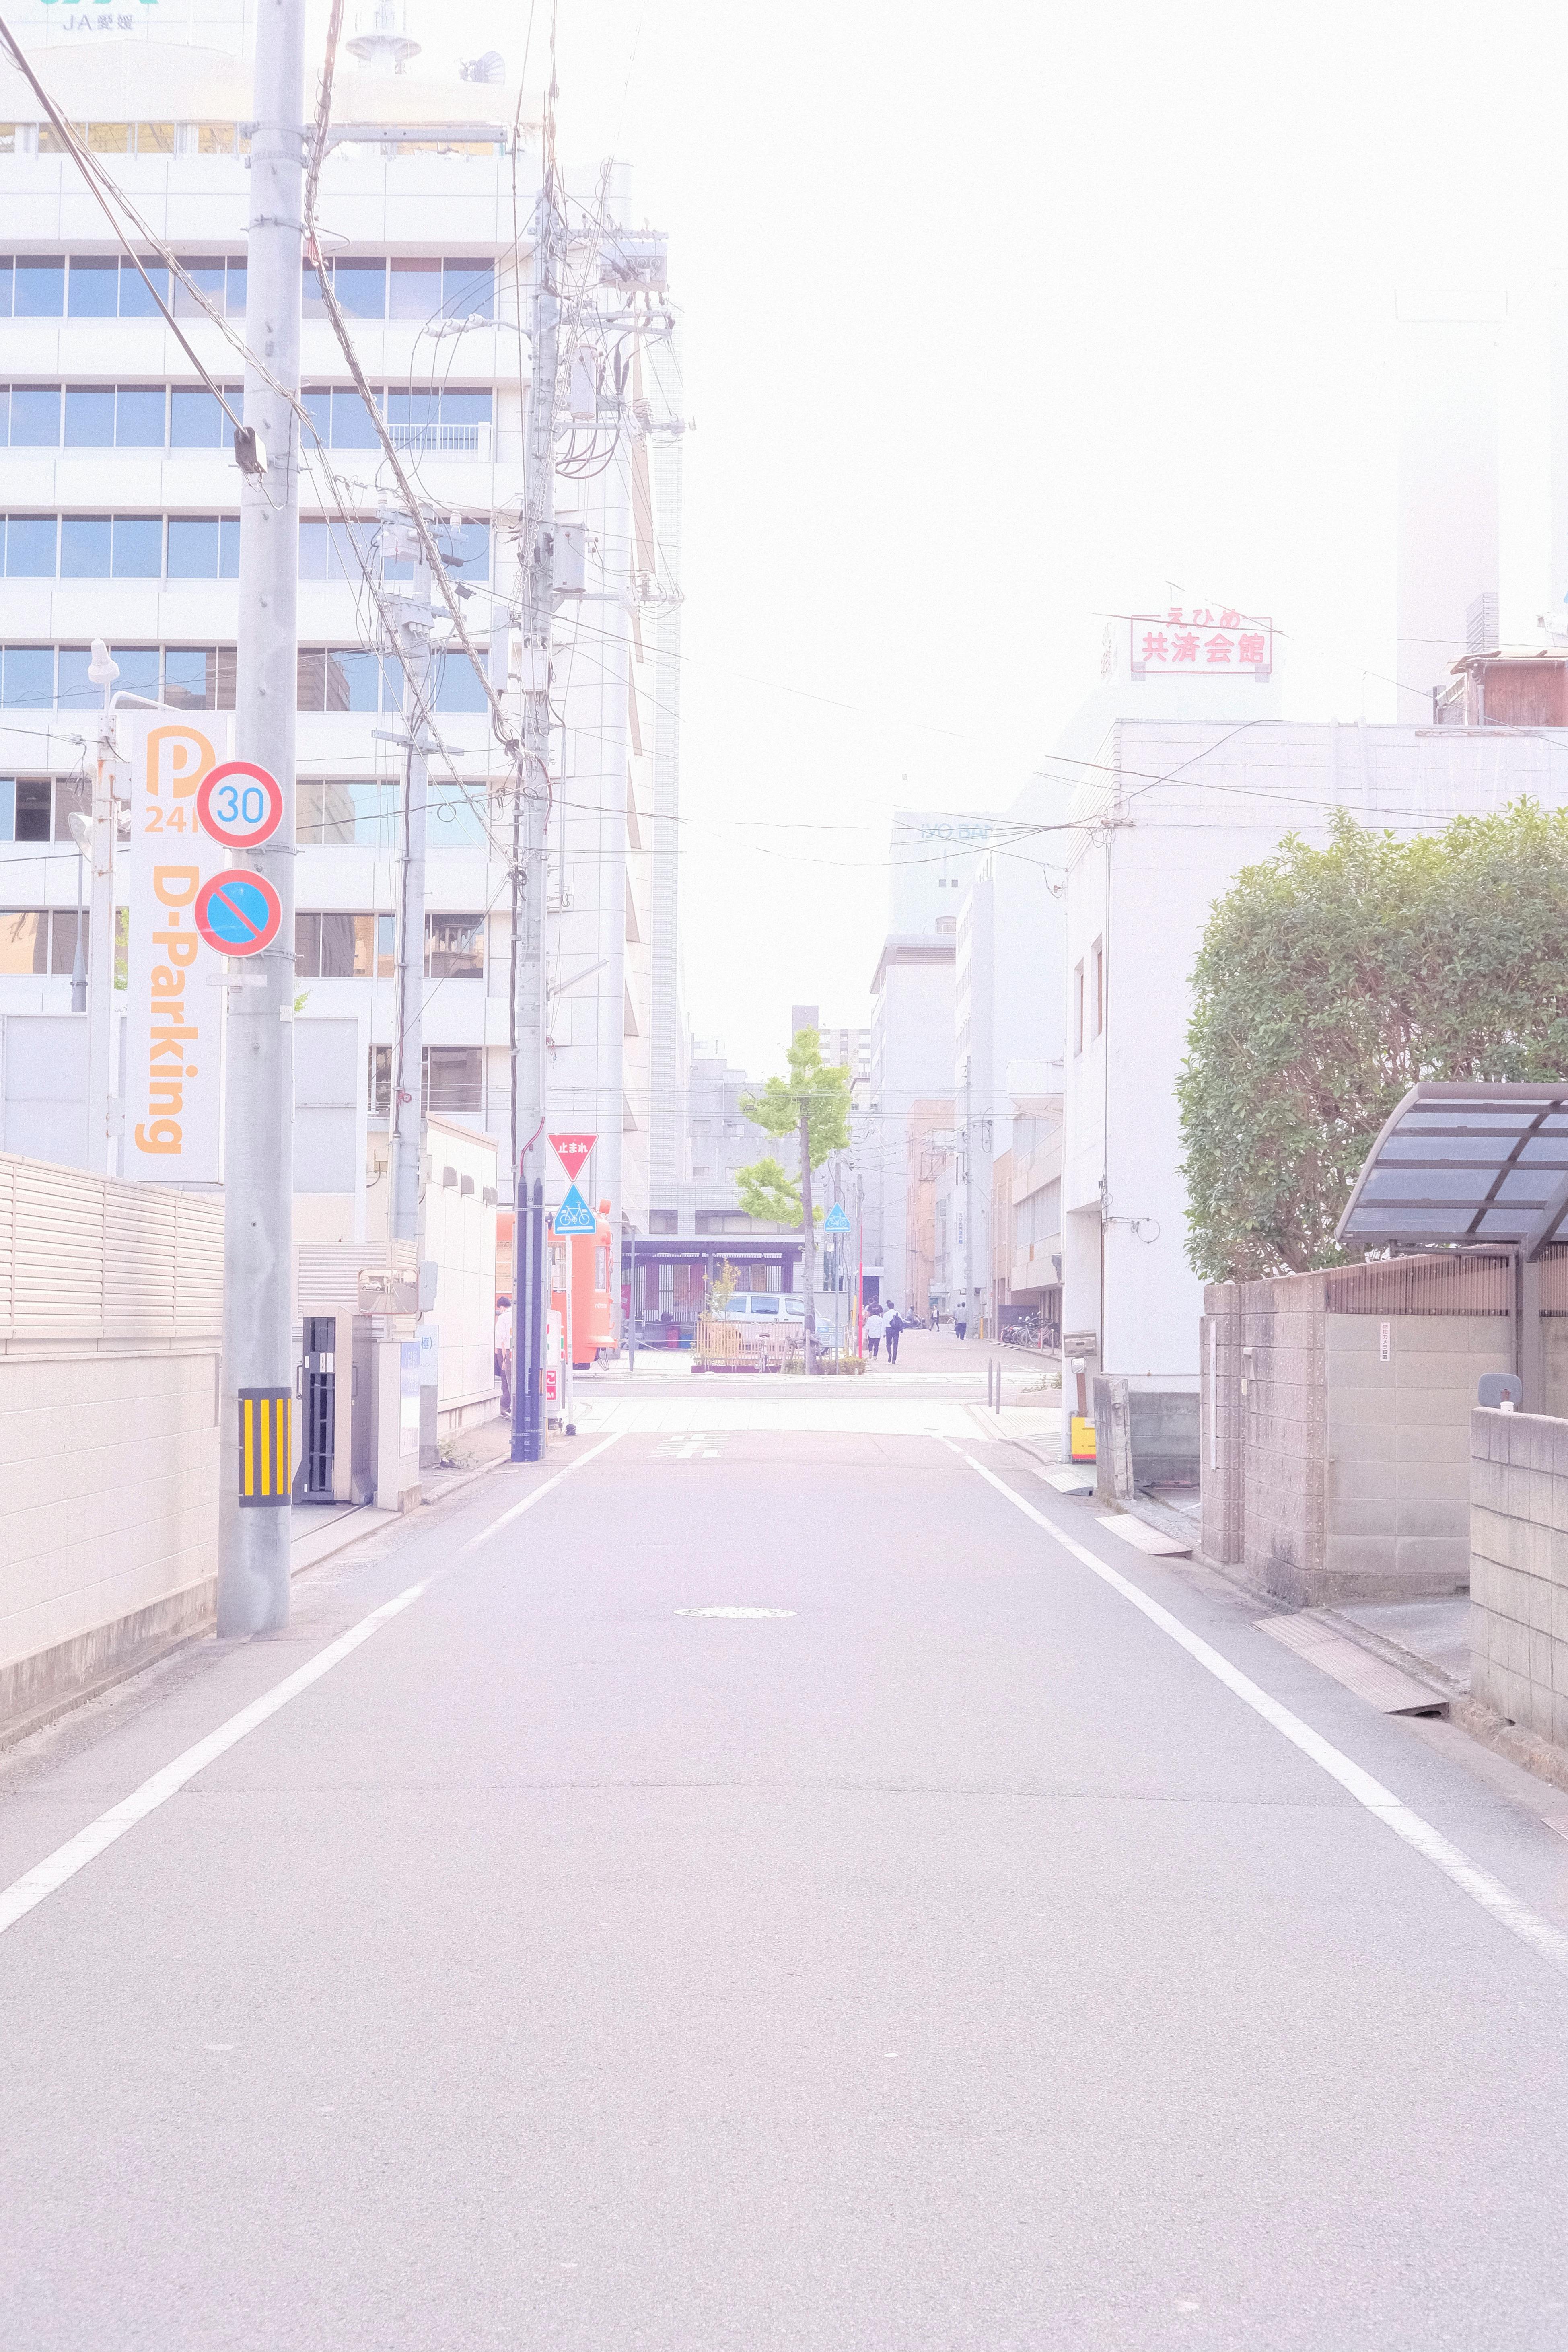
(121, 520)
(1171, 811)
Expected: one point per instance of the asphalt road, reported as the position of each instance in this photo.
(950, 1962)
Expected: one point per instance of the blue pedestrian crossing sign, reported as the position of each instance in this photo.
(575, 1215)
(836, 1221)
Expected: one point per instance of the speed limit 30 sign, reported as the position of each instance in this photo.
(239, 805)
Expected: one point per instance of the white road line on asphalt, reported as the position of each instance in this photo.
(1547, 1941)
(52, 1872)
(734, 1613)
(20, 1897)
(538, 1494)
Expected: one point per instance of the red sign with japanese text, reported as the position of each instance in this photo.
(572, 1150)
(1210, 640)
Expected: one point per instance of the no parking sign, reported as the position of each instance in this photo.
(239, 913)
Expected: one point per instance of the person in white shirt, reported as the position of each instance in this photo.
(875, 1319)
(503, 1351)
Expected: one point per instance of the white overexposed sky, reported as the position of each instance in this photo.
(998, 316)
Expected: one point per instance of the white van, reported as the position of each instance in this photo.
(764, 1306)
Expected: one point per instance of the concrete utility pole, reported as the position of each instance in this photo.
(414, 623)
(808, 1240)
(258, 1130)
(530, 838)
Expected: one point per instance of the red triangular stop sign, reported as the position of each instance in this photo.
(572, 1150)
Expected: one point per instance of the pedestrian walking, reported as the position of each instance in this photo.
(503, 1351)
(960, 1317)
(893, 1332)
(876, 1319)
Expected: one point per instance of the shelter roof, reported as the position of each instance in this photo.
(1482, 1164)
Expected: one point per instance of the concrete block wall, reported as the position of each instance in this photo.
(1281, 1424)
(109, 1479)
(1335, 1447)
(1400, 1393)
(1519, 1569)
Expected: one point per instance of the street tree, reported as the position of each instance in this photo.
(812, 1102)
(1330, 981)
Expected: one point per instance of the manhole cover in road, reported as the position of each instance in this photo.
(734, 1613)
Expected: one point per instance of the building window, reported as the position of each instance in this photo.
(36, 939)
(195, 419)
(367, 286)
(335, 946)
(662, 1221)
(201, 547)
(346, 678)
(199, 677)
(1097, 988)
(454, 1080)
(1078, 1008)
(24, 805)
(329, 811)
(455, 947)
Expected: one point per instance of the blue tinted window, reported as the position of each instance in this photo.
(41, 286)
(5, 286)
(30, 547)
(234, 299)
(76, 690)
(139, 667)
(199, 677)
(318, 400)
(457, 686)
(94, 288)
(312, 550)
(415, 289)
(455, 817)
(465, 408)
(8, 808)
(196, 420)
(353, 546)
(391, 682)
(311, 302)
(361, 288)
(35, 416)
(84, 547)
(228, 548)
(351, 680)
(137, 546)
(412, 407)
(353, 426)
(89, 417)
(472, 545)
(135, 302)
(468, 289)
(27, 679)
(206, 275)
(139, 418)
(5, 414)
(192, 547)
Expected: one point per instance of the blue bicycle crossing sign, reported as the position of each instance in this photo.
(574, 1215)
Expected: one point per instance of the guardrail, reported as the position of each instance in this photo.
(724, 1346)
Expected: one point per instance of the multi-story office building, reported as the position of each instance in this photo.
(846, 1045)
(119, 506)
